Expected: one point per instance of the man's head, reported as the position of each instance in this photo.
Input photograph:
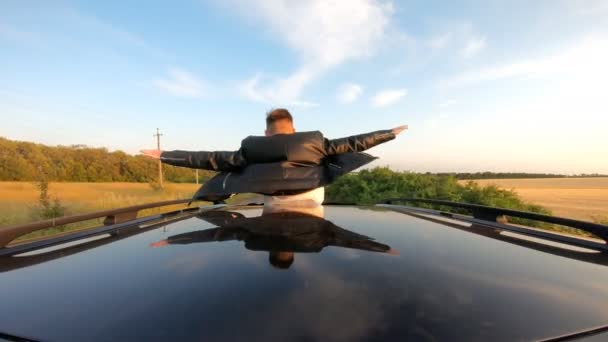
(279, 121)
(282, 260)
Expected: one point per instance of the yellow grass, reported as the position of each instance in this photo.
(579, 198)
(18, 198)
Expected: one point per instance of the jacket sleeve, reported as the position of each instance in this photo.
(214, 161)
(208, 235)
(357, 143)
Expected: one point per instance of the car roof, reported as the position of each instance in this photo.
(358, 273)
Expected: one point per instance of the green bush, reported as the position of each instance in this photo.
(47, 208)
(374, 185)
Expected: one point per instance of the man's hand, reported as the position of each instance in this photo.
(160, 243)
(399, 129)
(152, 153)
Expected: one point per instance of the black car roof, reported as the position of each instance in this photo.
(359, 273)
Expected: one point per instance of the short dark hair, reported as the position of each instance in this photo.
(278, 262)
(278, 114)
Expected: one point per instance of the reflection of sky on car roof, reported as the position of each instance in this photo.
(445, 282)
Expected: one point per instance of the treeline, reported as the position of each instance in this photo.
(378, 184)
(26, 161)
(374, 185)
(510, 175)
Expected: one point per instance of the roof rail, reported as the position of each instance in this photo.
(494, 214)
(494, 230)
(112, 216)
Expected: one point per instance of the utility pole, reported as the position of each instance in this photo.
(196, 170)
(160, 164)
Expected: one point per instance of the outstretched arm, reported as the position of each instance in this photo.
(214, 161)
(361, 142)
(208, 235)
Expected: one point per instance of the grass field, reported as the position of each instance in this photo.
(18, 199)
(579, 198)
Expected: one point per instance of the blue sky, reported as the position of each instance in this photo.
(483, 85)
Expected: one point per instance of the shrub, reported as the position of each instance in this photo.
(47, 208)
(374, 185)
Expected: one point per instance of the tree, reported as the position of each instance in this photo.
(19, 161)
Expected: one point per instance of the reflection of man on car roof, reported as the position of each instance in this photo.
(283, 165)
(280, 233)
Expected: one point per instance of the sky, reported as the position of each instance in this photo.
(512, 86)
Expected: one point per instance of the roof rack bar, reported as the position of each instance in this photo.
(594, 244)
(115, 229)
(498, 215)
(87, 233)
(11, 258)
(494, 231)
(112, 216)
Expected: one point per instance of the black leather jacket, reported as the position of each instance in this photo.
(304, 147)
(279, 164)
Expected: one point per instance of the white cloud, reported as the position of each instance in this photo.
(586, 59)
(17, 35)
(440, 41)
(349, 92)
(588, 7)
(278, 91)
(323, 34)
(447, 103)
(326, 32)
(388, 97)
(181, 83)
(460, 38)
(473, 46)
(303, 104)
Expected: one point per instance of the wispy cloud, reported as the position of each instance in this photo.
(473, 46)
(323, 34)
(388, 97)
(109, 33)
(447, 103)
(61, 28)
(181, 83)
(584, 59)
(349, 92)
(440, 41)
(303, 104)
(278, 91)
(589, 7)
(458, 37)
(17, 35)
(104, 30)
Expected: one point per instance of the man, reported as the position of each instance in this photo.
(289, 168)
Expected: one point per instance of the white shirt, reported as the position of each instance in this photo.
(312, 198)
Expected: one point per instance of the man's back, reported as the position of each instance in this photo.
(288, 167)
(304, 147)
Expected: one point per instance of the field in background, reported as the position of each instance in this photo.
(579, 198)
(18, 198)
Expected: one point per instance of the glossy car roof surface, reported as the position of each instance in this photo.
(361, 273)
